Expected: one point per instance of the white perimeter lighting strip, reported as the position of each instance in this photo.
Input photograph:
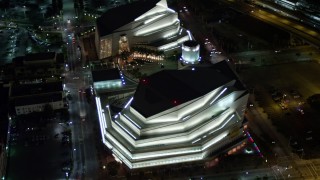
(196, 141)
(126, 130)
(185, 118)
(218, 95)
(189, 34)
(223, 124)
(128, 102)
(215, 140)
(159, 154)
(132, 121)
(102, 124)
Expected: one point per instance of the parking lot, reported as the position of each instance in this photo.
(9, 46)
(282, 90)
(19, 41)
(44, 146)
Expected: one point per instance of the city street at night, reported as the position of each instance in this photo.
(160, 89)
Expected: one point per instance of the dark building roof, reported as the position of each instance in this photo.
(18, 61)
(191, 43)
(60, 58)
(224, 67)
(105, 75)
(169, 88)
(122, 15)
(38, 99)
(4, 109)
(4, 96)
(39, 56)
(38, 88)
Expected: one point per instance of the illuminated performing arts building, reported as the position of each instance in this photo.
(148, 23)
(176, 116)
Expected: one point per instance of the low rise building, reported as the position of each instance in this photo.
(107, 78)
(38, 65)
(4, 124)
(27, 98)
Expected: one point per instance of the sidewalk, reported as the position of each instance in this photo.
(262, 117)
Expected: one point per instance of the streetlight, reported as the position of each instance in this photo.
(42, 12)
(302, 153)
(24, 11)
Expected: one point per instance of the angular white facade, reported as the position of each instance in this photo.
(158, 27)
(189, 130)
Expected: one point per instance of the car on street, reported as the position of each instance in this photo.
(300, 110)
(66, 169)
(283, 105)
(295, 94)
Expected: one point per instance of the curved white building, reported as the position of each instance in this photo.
(147, 23)
(176, 116)
(190, 52)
